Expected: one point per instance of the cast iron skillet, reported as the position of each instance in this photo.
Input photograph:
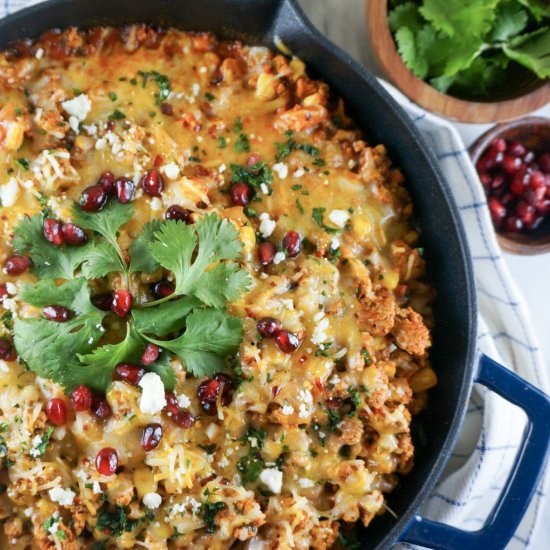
(454, 353)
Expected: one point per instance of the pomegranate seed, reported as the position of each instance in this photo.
(59, 314)
(131, 374)
(275, 390)
(497, 210)
(184, 419)
(485, 179)
(515, 148)
(543, 207)
(81, 398)
(292, 244)
(16, 265)
(240, 194)
(73, 234)
(7, 351)
(178, 213)
(287, 341)
(537, 179)
(525, 212)
(334, 403)
(150, 355)
(3, 293)
(93, 198)
(152, 183)
(544, 161)
(56, 411)
(124, 189)
(519, 181)
(162, 289)
(172, 405)
(511, 164)
(122, 302)
(52, 231)
(499, 145)
(106, 461)
(529, 157)
(266, 253)
(497, 180)
(151, 436)
(107, 182)
(209, 390)
(269, 327)
(535, 196)
(103, 302)
(100, 407)
(513, 224)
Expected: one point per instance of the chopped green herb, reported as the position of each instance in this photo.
(299, 206)
(112, 96)
(285, 149)
(253, 175)
(318, 214)
(114, 523)
(222, 142)
(163, 82)
(209, 511)
(209, 96)
(242, 145)
(23, 163)
(238, 125)
(117, 115)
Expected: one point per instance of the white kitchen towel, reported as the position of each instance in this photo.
(483, 457)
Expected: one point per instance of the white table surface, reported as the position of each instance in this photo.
(343, 21)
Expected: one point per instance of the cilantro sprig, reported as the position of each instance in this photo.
(202, 259)
(466, 46)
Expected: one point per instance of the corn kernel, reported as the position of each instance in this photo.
(423, 380)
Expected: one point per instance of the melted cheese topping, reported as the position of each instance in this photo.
(326, 427)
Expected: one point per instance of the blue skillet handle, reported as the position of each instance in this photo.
(522, 482)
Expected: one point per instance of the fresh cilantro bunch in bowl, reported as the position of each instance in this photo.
(191, 323)
(469, 48)
(472, 60)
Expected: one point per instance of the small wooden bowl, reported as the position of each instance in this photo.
(525, 93)
(534, 133)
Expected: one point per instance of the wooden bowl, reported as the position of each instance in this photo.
(526, 93)
(534, 133)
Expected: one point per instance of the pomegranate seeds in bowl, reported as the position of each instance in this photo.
(516, 180)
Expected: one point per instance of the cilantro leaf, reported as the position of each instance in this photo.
(114, 523)
(101, 259)
(405, 15)
(74, 295)
(242, 144)
(459, 17)
(164, 318)
(510, 20)
(539, 8)
(408, 50)
(532, 50)
(107, 221)
(141, 257)
(254, 175)
(210, 335)
(102, 361)
(164, 369)
(174, 247)
(49, 349)
(318, 215)
(40, 450)
(48, 260)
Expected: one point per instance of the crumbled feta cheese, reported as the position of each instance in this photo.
(152, 500)
(264, 188)
(54, 527)
(91, 129)
(39, 53)
(11, 288)
(306, 483)
(223, 462)
(287, 410)
(335, 379)
(28, 512)
(335, 243)
(156, 204)
(279, 257)
(272, 479)
(183, 401)
(97, 488)
(78, 107)
(9, 303)
(9, 192)
(4, 366)
(65, 497)
(73, 123)
(196, 89)
(282, 170)
(171, 170)
(319, 335)
(253, 442)
(299, 173)
(222, 168)
(152, 399)
(267, 225)
(339, 217)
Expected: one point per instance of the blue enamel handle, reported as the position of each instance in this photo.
(522, 482)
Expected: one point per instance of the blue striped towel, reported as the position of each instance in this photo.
(484, 455)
